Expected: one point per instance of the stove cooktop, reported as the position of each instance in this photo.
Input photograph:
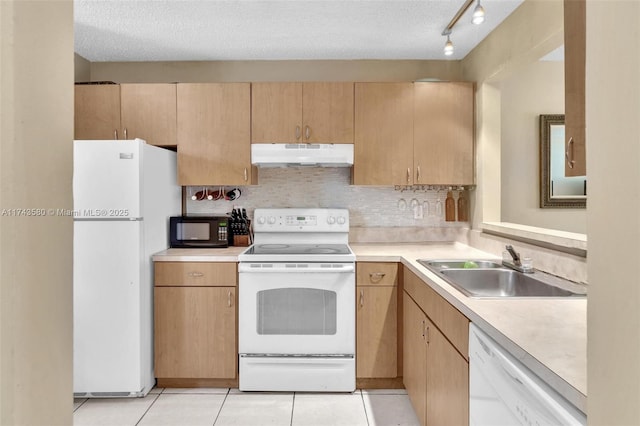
(280, 252)
(295, 249)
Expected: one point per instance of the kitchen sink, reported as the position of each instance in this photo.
(492, 280)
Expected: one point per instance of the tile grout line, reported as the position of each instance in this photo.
(221, 406)
(366, 415)
(148, 408)
(293, 406)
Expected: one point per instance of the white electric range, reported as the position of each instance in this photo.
(296, 304)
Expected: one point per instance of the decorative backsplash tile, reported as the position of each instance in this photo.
(369, 207)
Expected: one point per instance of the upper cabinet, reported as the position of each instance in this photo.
(414, 134)
(574, 87)
(443, 133)
(97, 111)
(214, 125)
(302, 112)
(148, 111)
(383, 134)
(127, 111)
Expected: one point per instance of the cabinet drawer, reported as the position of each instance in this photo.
(193, 274)
(453, 324)
(377, 273)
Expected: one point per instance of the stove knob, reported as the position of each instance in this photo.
(331, 220)
(341, 220)
(272, 220)
(261, 220)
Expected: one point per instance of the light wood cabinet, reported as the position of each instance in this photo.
(436, 372)
(195, 323)
(574, 87)
(214, 126)
(376, 320)
(443, 129)
(415, 357)
(383, 150)
(148, 111)
(126, 111)
(97, 111)
(302, 112)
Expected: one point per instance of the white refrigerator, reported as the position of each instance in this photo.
(123, 195)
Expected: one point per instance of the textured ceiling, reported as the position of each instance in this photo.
(210, 30)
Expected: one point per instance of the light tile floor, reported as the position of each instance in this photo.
(226, 407)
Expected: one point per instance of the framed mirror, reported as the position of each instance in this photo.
(557, 190)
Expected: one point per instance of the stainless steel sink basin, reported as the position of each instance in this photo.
(491, 280)
(458, 264)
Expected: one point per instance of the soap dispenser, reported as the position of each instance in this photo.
(463, 212)
(450, 207)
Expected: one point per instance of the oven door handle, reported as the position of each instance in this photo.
(248, 268)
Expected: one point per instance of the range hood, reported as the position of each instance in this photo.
(294, 154)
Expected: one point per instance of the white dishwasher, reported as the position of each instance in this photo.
(504, 392)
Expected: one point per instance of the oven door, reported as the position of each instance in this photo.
(296, 309)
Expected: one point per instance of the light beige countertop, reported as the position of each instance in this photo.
(229, 254)
(547, 335)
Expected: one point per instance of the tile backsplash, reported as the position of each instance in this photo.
(369, 207)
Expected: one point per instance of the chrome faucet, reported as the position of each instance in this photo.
(514, 255)
(516, 263)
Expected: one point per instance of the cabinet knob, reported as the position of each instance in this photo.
(195, 274)
(246, 175)
(418, 174)
(307, 132)
(229, 298)
(408, 175)
(297, 133)
(125, 133)
(115, 134)
(361, 298)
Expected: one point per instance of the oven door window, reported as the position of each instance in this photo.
(296, 311)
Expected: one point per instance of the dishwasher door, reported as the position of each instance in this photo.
(505, 392)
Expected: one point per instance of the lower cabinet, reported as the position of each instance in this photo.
(195, 321)
(436, 374)
(376, 321)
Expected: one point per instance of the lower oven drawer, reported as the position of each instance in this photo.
(289, 374)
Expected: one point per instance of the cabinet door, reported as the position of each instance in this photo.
(195, 332)
(447, 381)
(327, 112)
(574, 86)
(415, 357)
(97, 111)
(276, 112)
(148, 112)
(443, 133)
(214, 132)
(376, 321)
(383, 134)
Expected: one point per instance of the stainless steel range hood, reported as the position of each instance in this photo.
(285, 155)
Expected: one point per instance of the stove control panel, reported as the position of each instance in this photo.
(301, 220)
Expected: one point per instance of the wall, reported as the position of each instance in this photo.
(374, 212)
(82, 68)
(36, 130)
(229, 71)
(536, 89)
(613, 156)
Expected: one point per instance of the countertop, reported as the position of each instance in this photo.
(547, 335)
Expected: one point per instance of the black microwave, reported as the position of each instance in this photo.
(198, 231)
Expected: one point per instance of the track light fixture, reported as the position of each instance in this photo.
(448, 46)
(478, 14)
(478, 18)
